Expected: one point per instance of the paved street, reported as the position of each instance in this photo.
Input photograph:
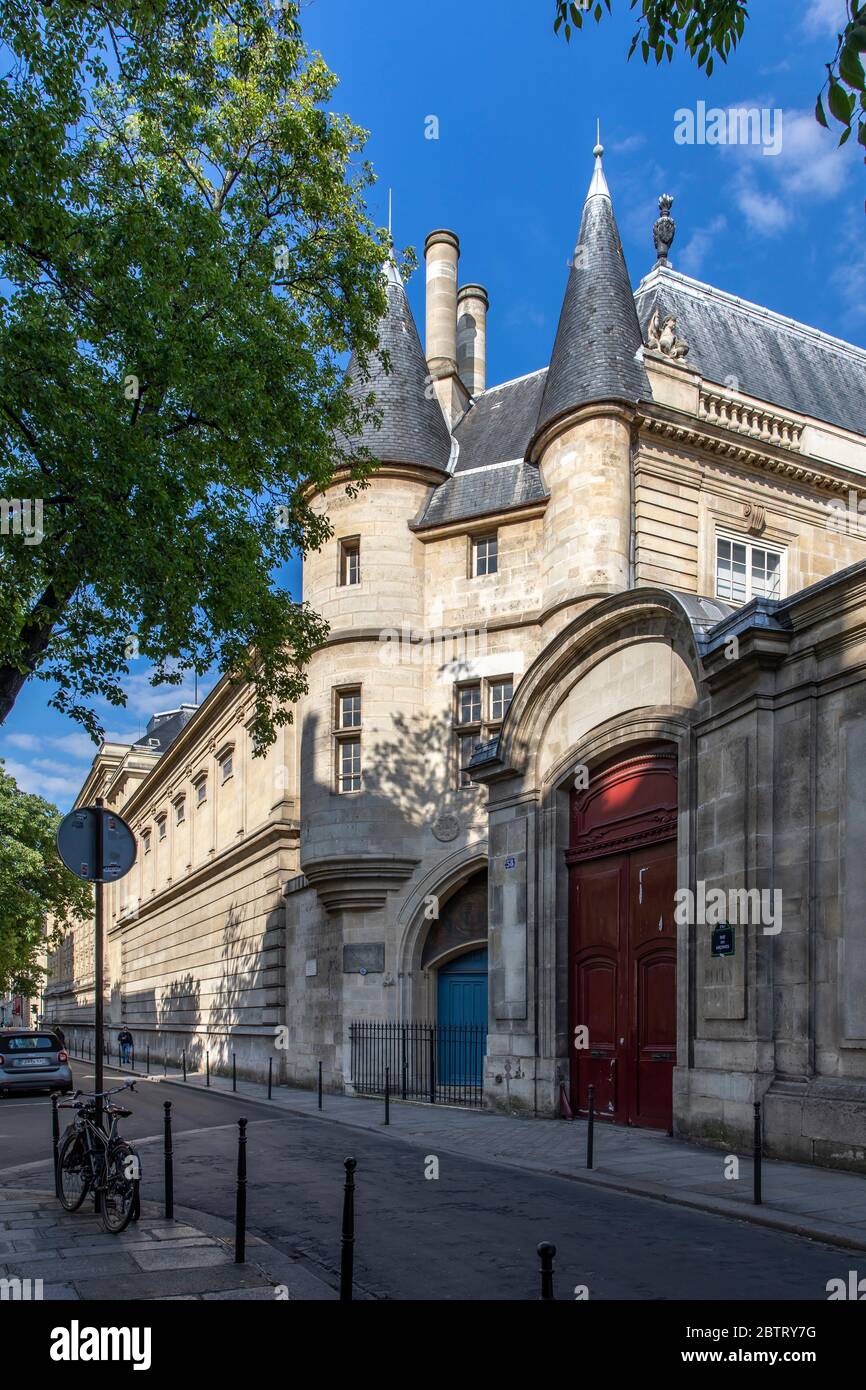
(470, 1234)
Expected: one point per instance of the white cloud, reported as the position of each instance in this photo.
(809, 166)
(693, 255)
(56, 783)
(824, 17)
(631, 142)
(78, 745)
(764, 212)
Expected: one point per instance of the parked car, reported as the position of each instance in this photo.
(32, 1060)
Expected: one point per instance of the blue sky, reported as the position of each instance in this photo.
(516, 109)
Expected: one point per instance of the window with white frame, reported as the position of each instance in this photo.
(225, 761)
(747, 570)
(348, 709)
(145, 840)
(347, 739)
(485, 555)
(350, 560)
(200, 791)
(162, 827)
(180, 810)
(479, 709)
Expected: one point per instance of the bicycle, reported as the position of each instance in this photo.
(92, 1158)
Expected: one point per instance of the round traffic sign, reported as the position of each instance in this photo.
(78, 844)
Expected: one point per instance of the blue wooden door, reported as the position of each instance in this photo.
(462, 1019)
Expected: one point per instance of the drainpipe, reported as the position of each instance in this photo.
(632, 509)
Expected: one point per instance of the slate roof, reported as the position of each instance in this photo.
(776, 359)
(163, 729)
(480, 491)
(498, 426)
(413, 428)
(598, 334)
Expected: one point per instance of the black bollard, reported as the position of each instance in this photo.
(270, 1076)
(241, 1205)
(320, 1085)
(55, 1140)
(234, 1072)
(387, 1095)
(207, 1065)
(347, 1239)
(590, 1123)
(169, 1164)
(184, 1064)
(546, 1252)
(757, 1155)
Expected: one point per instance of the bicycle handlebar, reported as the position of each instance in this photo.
(95, 1095)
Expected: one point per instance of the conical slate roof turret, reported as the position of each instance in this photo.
(413, 428)
(599, 333)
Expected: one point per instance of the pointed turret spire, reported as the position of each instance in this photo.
(598, 187)
(413, 428)
(598, 334)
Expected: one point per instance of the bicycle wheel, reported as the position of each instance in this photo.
(74, 1171)
(120, 1193)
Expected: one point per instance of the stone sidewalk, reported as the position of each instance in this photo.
(822, 1203)
(152, 1259)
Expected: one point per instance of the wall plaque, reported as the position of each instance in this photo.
(364, 958)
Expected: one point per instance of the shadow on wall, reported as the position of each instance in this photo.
(411, 774)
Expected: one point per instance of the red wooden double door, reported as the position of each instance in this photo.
(622, 865)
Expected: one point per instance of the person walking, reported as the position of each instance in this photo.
(125, 1039)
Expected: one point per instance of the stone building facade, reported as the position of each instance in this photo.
(578, 764)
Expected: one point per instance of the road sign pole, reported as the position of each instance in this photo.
(98, 1015)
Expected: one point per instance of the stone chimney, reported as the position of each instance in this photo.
(441, 253)
(472, 306)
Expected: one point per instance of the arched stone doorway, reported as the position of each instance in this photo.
(455, 958)
(622, 861)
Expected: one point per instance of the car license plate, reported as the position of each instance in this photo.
(32, 1061)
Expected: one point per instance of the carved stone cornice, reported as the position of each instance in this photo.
(690, 435)
(357, 882)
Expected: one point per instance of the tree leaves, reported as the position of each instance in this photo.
(35, 886)
(188, 261)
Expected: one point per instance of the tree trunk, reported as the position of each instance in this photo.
(32, 641)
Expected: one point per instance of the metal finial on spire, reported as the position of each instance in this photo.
(598, 186)
(392, 270)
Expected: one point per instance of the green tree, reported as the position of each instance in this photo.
(185, 260)
(711, 29)
(36, 889)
